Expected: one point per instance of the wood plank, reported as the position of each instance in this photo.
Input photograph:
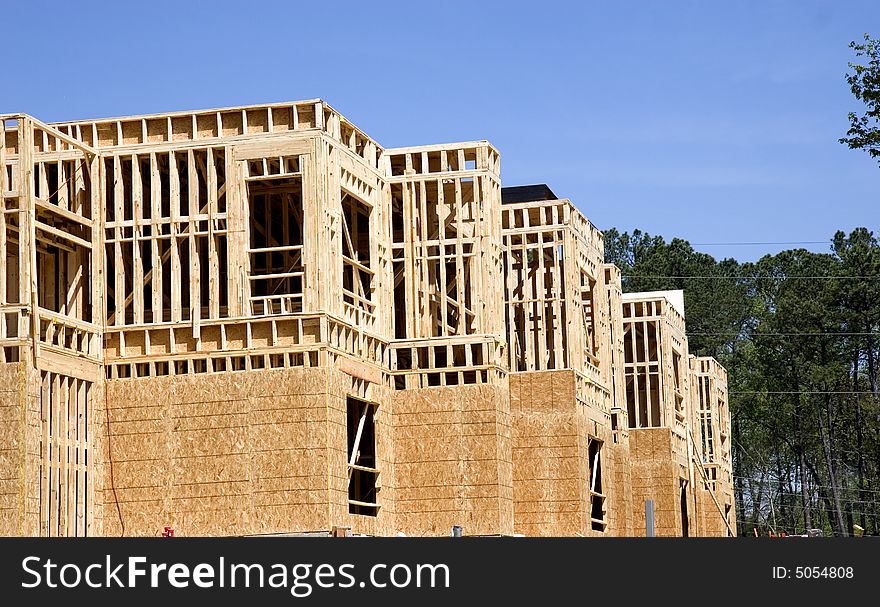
(45, 450)
(50, 130)
(39, 225)
(176, 277)
(4, 187)
(155, 279)
(213, 255)
(55, 481)
(360, 370)
(195, 274)
(62, 363)
(118, 264)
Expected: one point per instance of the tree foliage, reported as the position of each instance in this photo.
(864, 82)
(798, 334)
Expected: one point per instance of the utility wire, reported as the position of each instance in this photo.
(780, 334)
(800, 392)
(775, 481)
(754, 277)
(733, 244)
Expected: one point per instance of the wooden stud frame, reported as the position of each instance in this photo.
(66, 469)
(560, 313)
(51, 314)
(613, 360)
(657, 392)
(447, 240)
(554, 295)
(711, 417)
(280, 236)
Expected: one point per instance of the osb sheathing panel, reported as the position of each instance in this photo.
(242, 453)
(452, 453)
(710, 518)
(385, 521)
(620, 496)
(727, 497)
(551, 472)
(20, 455)
(655, 475)
(13, 388)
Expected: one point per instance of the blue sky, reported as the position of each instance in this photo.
(712, 121)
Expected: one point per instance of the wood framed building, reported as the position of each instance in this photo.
(257, 320)
(711, 440)
(664, 406)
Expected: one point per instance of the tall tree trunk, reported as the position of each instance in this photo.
(738, 468)
(860, 442)
(823, 495)
(784, 491)
(795, 516)
(758, 499)
(872, 367)
(800, 447)
(805, 494)
(872, 384)
(827, 438)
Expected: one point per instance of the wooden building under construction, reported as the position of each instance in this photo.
(257, 320)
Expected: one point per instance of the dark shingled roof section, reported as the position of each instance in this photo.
(527, 193)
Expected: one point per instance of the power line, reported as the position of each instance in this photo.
(748, 244)
(755, 277)
(800, 392)
(811, 494)
(799, 333)
(775, 481)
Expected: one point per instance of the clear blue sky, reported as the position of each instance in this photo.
(712, 121)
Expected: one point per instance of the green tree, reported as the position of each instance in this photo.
(864, 82)
(802, 364)
(859, 255)
(716, 302)
(798, 333)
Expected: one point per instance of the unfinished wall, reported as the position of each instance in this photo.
(253, 281)
(446, 240)
(12, 386)
(555, 302)
(549, 467)
(656, 364)
(620, 490)
(252, 452)
(344, 389)
(452, 452)
(620, 498)
(50, 437)
(564, 330)
(710, 423)
(658, 474)
(357, 224)
(613, 358)
(711, 516)
(560, 487)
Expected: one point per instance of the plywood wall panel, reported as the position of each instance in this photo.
(255, 452)
(453, 460)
